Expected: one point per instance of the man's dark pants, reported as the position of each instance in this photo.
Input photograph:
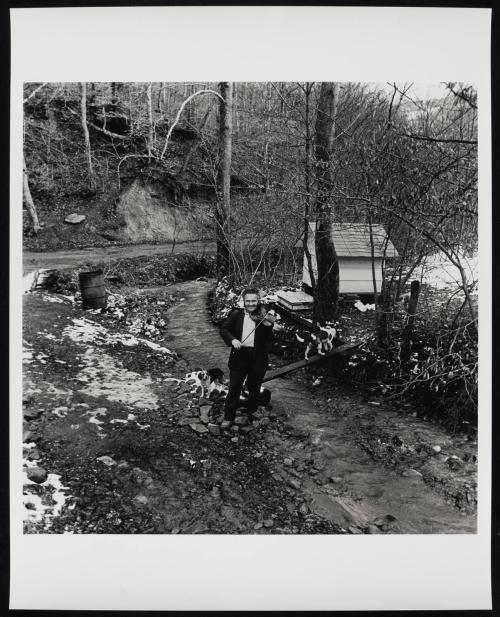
(254, 376)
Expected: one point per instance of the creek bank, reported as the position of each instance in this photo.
(129, 447)
(325, 420)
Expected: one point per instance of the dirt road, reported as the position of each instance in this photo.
(73, 258)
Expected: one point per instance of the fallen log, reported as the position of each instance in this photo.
(283, 370)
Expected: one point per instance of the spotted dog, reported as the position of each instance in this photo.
(207, 381)
(321, 340)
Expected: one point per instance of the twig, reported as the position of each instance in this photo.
(35, 91)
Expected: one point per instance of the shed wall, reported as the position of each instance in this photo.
(355, 274)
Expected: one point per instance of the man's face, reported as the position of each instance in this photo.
(250, 302)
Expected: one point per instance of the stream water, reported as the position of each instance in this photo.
(366, 490)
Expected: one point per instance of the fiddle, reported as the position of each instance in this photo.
(263, 316)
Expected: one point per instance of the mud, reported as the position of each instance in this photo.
(322, 460)
(334, 428)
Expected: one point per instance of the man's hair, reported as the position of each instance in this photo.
(250, 290)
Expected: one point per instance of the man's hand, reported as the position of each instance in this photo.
(270, 318)
(236, 343)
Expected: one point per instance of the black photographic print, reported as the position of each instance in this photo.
(250, 308)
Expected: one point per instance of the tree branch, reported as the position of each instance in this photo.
(99, 128)
(35, 91)
(436, 140)
(177, 117)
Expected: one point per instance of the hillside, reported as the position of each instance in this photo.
(135, 198)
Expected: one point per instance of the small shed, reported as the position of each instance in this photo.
(352, 243)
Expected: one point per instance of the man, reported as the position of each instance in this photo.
(249, 336)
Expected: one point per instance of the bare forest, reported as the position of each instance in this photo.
(246, 183)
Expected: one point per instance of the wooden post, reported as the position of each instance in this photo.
(408, 329)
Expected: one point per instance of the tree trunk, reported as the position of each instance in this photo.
(195, 145)
(86, 136)
(267, 138)
(29, 199)
(308, 186)
(326, 293)
(150, 121)
(236, 94)
(223, 206)
(190, 109)
(160, 98)
(374, 277)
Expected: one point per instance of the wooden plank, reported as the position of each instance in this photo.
(283, 370)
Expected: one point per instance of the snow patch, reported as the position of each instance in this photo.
(364, 307)
(55, 299)
(106, 378)
(47, 505)
(101, 411)
(61, 412)
(27, 356)
(438, 271)
(85, 331)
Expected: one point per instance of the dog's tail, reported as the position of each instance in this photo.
(301, 340)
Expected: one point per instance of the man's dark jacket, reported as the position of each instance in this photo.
(232, 328)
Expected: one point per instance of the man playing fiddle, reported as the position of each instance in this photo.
(249, 332)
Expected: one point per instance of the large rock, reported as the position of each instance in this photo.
(304, 509)
(412, 473)
(214, 429)
(33, 455)
(204, 411)
(146, 210)
(37, 474)
(74, 219)
(190, 420)
(354, 529)
(372, 529)
(335, 479)
(32, 413)
(199, 428)
(294, 483)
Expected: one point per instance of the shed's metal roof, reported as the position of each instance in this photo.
(353, 240)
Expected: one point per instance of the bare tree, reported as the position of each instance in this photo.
(86, 136)
(29, 199)
(150, 121)
(223, 203)
(308, 182)
(326, 293)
